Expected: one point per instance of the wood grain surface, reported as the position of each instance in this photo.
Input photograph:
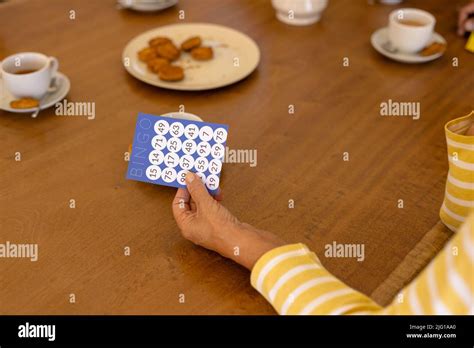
(300, 156)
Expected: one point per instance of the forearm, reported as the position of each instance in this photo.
(245, 244)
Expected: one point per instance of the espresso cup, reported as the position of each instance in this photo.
(410, 29)
(28, 74)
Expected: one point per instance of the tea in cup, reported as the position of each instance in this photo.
(28, 74)
(410, 29)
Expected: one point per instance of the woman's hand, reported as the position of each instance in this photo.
(466, 24)
(205, 222)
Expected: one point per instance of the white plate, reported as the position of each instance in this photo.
(63, 88)
(235, 57)
(380, 37)
(183, 116)
(147, 5)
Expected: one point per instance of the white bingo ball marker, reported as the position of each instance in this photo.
(205, 133)
(217, 151)
(186, 162)
(153, 172)
(171, 159)
(174, 144)
(181, 177)
(203, 149)
(202, 177)
(212, 182)
(168, 175)
(161, 127)
(215, 166)
(177, 129)
(220, 135)
(191, 131)
(201, 164)
(158, 142)
(156, 157)
(189, 147)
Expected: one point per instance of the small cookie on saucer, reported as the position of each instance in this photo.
(156, 64)
(434, 48)
(191, 43)
(159, 40)
(24, 103)
(171, 73)
(202, 53)
(168, 51)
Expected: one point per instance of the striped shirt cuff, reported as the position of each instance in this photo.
(294, 281)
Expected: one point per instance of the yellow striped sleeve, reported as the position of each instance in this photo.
(459, 193)
(446, 285)
(294, 281)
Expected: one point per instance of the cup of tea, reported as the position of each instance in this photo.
(410, 29)
(299, 12)
(28, 74)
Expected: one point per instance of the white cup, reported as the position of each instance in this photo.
(410, 38)
(299, 12)
(34, 84)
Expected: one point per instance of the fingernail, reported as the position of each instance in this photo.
(190, 177)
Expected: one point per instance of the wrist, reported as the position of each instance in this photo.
(247, 244)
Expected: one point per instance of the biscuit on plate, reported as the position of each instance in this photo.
(156, 64)
(171, 73)
(159, 40)
(202, 53)
(147, 54)
(24, 103)
(168, 51)
(191, 43)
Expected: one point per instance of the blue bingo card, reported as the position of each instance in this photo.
(165, 149)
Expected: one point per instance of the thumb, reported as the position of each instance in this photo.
(197, 190)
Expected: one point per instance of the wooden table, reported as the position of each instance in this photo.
(300, 156)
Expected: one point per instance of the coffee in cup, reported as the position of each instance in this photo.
(28, 74)
(410, 29)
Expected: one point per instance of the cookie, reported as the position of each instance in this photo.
(159, 40)
(434, 48)
(156, 64)
(168, 51)
(202, 53)
(171, 73)
(147, 54)
(191, 43)
(24, 103)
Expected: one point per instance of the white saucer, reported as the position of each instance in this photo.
(380, 37)
(183, 116)
(63, 88)
(147, 5)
